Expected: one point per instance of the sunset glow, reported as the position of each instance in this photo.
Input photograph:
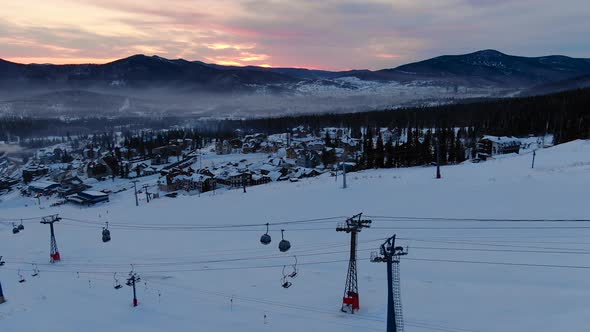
(332, 34)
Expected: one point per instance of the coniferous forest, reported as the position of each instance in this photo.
(454, 128)
(565, 115)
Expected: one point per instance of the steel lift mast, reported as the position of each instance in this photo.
(391, 254)
(54, 252)
(353, 225)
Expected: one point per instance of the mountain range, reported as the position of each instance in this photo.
(486, 73)
(482, 68)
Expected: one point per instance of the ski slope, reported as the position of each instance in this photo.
(201, 271)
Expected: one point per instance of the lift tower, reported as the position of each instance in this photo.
(132, 281)
(53, 253)
(391, 254)
(353, 225)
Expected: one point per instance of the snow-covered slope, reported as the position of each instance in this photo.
(460, 275)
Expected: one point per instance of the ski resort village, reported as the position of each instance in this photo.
(294, 166)
(442, 229)
(87, 170)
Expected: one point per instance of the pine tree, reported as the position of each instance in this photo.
(427, 148)
(408, 150)
(369, 151)
(460, 151)
(397, 155)
(389, 154)
(328, 141)
(379, 152)
(443, 146)
(452, 149)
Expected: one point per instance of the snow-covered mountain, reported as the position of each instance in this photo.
(182, 86)
(486, 67)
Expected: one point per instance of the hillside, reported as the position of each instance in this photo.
(182, 87)
(579, 82)
(494, 68)
(490, 260)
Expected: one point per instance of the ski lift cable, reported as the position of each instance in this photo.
(315, 220)
(247, 227)
(471, 219)
(278, 256)
(185, 229)
(191, 259)
(484, 228)
(577, 267)
(490, 244)
(185, 270)
(33, 219)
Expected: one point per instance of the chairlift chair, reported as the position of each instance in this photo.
(15, 229)
(117, 285)
(21, 279)
(294, 273)
(35, 271)
(21, 227)
(1, 261)
(375, 258)
(285, 283)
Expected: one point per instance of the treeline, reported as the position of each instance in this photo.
(566, 115)
(420, 147)
(407, 147)
(145, 141)
(24, 127)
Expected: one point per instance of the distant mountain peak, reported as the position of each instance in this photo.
(488, 53)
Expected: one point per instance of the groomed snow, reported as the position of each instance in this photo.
(178, 262)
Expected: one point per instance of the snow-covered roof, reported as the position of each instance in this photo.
(42, 184)
(501, 139)
(199, 177)
(181, 177)
(267, 167)
(94, 193)
(275, 175)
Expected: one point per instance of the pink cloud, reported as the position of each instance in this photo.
(387, 56)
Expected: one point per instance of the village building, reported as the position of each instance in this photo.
(195, 181)
(34, 171)
(7, 182)
(308, 159)
(97, 170)
(167, 151)
(70, 186)
(159, 159)
(88, 197)
(495, 145)
(223, 147)
(43, 187)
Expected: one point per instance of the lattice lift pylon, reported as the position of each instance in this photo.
(353, 225)
(391, 254)
(54, 252)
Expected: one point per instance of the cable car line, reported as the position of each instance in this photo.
(290, 222)
(499, 263)
(462, 219)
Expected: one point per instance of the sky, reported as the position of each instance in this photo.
(321, 34)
